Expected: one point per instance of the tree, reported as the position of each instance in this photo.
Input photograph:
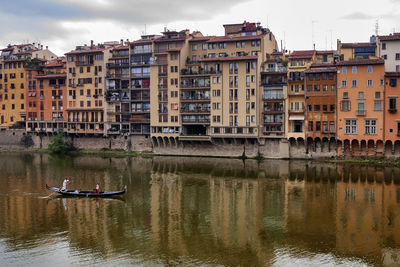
(58, 145)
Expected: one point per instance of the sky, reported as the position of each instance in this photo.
(64, 24)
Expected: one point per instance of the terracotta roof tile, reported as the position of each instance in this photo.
(89, 51)
(235, 39)
(361, 62)
(302, 54)
(390, 37)
(229, 58)
(356, 45)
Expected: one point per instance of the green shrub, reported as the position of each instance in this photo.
(27, 141)
(58, 145)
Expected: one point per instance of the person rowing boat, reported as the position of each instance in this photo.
(64, 186)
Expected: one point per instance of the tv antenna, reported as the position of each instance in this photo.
(377, 27)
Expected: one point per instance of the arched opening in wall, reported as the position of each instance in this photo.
(292, 141)
(317, 146)
(154, 141)
(172, 141)
(325, 145)
(166, 142)
(339, 145)
(388, 148)
(300, 142)
(371, 147)
(379, 148)
(347, 151)
(292, 145)
(363, 148)
(310, 145)
(355, 148)
(160, 141)
(397, 148)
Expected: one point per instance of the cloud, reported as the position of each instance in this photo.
(358, 16)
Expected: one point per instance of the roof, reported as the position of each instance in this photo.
(199, 39)
(177, 49)
(321, 69)
(302, 54)
(229, 58)
(26, 52)
(142, 42)
(122, 47)
(356, 45)
(392, 74)
(164, 39)
(53, 75)
(7, 49)
(391, 37)
(361, 62)
(324, 52)
(89, 51)
(235, 39)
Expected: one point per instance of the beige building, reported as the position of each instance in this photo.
(204, 88)
(86, 72)
(389, 49)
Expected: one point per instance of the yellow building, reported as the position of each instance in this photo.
(203, 88)
(351, 51)
(86, 67)
(13, 83)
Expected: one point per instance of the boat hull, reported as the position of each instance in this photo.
(80, 193)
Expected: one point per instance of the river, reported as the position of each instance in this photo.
(198, 212)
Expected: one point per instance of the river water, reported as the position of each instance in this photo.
(198, 212)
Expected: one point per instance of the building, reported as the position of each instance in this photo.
(351, 51)
(46, 96)
(299, 62)
(13, 81)
(360, 119)
(392, 118)
(274, 83)
(118, 91)
(320, 101)
(86, 73)
(389, 50)
(204, 88)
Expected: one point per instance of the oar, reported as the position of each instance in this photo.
(49, 195)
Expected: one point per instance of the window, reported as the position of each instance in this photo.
(345, 105)
(324, 108)
(204, 47)
(369, 83)
(370, 126)
(344, 70)
(194, 47)
(393, 82)
(309, 108)
(310, 126)
(370, 69)
(318, 126)
(397, 56)
(378, 105)
(377, 95)
(345, 95)
(384, 57)
(354, 69)
(325, 126)
(317, 108)
(354, 83)
(332, 127)
(392, 103)
(382, 82)
(351, 126)
(383, 46)
(344, 84)
(360, 95)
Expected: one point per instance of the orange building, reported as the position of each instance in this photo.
(392, 118)
(46, 96)
(360, 119)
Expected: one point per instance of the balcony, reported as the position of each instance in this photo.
(277, 96)
(140, 120)
(162, 87)
(273, 111)
(392, 110)
(296, 111)
(196, 111)
(140, 63)
(141, 99)
(195, 120)
(158, 62)
(185, 73)
(140, 111)
(119, 65)
(117, 76)
(195, 99)
(162, 99)
(194, 86)
(361, 112)
(163, 74)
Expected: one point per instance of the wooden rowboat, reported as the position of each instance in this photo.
(80, 193)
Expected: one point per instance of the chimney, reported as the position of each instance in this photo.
(91, 43)
(122, 41)
(127, 41)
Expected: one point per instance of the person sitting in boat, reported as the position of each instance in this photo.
(97, 190)
(64, 187)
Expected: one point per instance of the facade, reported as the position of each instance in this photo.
(320, 101)
(352, 51)
(13, 81)
(208, 87)
(46, 96)
(360, 120)
(389, 50)
(299, 62)
(86, 73)
(274, 84)
(392, 118)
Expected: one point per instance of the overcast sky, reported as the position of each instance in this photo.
(63, 24)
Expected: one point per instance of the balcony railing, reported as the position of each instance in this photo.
(277, 96)
(117, 76)
(196, 110)
(139, 120)
(84, 63)
(195, 98)
(195, 120)
(200, 73)
(361, 112)
(117, 65)
(194, 85)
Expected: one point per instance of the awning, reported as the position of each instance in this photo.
(296, 118)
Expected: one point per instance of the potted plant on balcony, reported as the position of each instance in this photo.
(184, 71)
(392, 110)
